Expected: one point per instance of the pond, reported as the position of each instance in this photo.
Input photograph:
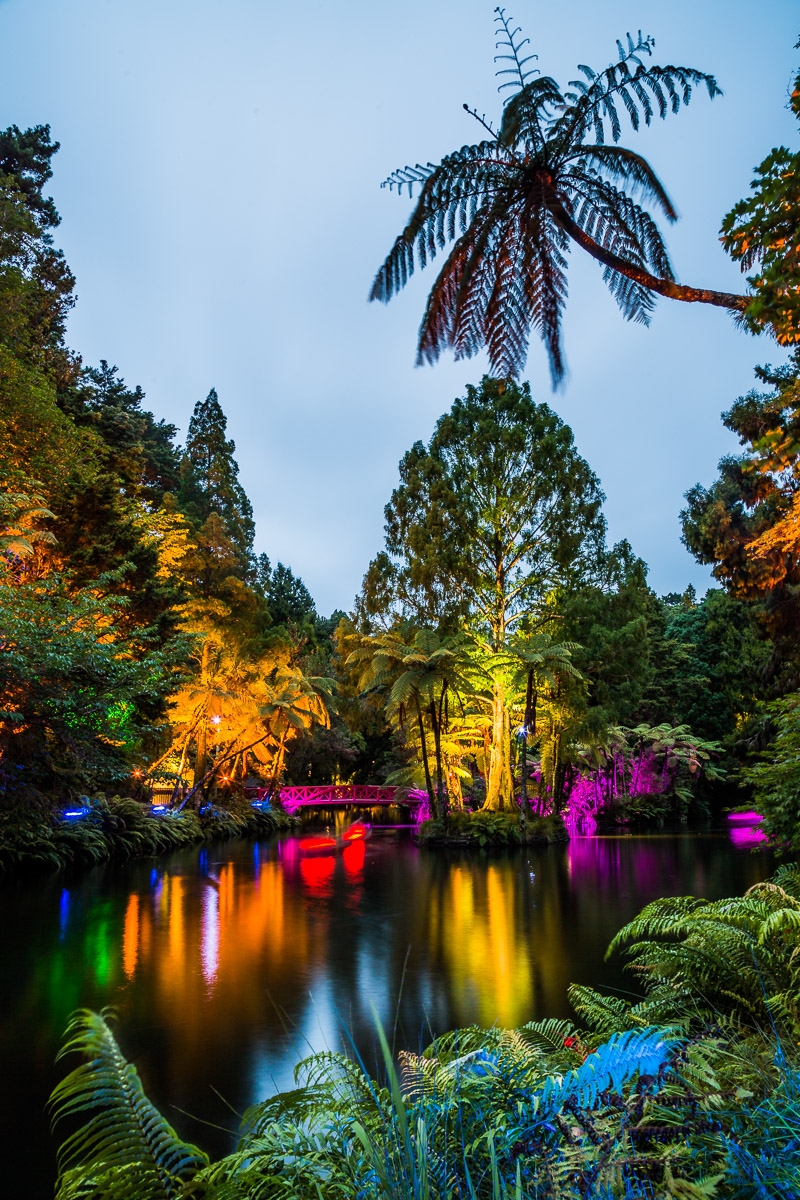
(229, 963)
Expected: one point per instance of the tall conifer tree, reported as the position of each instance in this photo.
(210, 479)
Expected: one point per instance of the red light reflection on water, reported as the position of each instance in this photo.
(315, 845)
(317, 873)
(353, 857)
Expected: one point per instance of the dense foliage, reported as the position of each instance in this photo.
(747, 524)
(693, 1092)
(141, 641)
(763, 231)
(519, 659)
(501, 656)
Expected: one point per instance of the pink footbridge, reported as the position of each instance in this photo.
(339, 794)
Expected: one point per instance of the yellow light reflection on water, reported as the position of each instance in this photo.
(483, 944)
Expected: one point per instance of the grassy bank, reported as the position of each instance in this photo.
(36, 838)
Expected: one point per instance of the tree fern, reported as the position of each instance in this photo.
(508, 208)
(736, 961)
(125, 1148)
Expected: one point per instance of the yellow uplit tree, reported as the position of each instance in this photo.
(239, 712)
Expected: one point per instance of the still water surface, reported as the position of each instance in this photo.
(229, 963)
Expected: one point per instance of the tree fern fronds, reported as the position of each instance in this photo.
(550, 1036)
(126, 1140)
(603, 1013)
(623, 1056)
(515, 45)
(787, 877)
(782, 920)
(514, 202)
(659, 917)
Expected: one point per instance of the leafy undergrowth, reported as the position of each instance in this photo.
(121, 828)
(692, 1093)
(486, 828)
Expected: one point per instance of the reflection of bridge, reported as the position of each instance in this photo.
(335, 794)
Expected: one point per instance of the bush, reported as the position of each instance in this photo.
(486, 829)
(122, 828)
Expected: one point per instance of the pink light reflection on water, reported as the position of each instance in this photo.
(744, 837)
(744, 829)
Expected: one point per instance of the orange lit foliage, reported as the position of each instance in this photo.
(242, 710)
(747, 524)
(763, 232)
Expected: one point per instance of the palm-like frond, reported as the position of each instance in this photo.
(125, 1147)
(509, 206)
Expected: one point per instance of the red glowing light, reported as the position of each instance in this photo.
(317, 845)
(356, 833)
(750, 817)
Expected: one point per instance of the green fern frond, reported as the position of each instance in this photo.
(125, 1142)
(605, 1014)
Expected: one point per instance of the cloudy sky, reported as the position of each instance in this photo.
(218, 182)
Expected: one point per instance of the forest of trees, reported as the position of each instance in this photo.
(501, 658)
(499, 648)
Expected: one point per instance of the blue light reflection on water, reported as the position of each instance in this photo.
(63, 911)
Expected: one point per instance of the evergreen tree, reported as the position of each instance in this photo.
(763, 233)
(495, 516)
(609, 619)
(209, 479)
(36, 285)
(136, 447)
(288, 598)
(747, 523)
(99, 533)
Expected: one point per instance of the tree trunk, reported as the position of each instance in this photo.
(499, 786)
(216, 767)
(441, 784)
(202, 736)
(432, 805)
(437, 753)
(663, 287)
(523, 779)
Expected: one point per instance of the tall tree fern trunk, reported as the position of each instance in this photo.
(499, 786)
(662, 287)
(530, 707)
(432, 805)
(437, 753)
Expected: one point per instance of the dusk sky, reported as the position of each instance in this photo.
(218, 182)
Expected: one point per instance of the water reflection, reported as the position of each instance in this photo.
(227, 965)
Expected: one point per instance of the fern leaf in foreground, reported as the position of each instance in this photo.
(125, 1147)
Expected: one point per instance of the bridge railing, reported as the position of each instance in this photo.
(323, 795)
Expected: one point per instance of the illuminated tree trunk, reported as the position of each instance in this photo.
(202, 732)
(530, 708)
(436, 723)
(432, 805)
(499, 785)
